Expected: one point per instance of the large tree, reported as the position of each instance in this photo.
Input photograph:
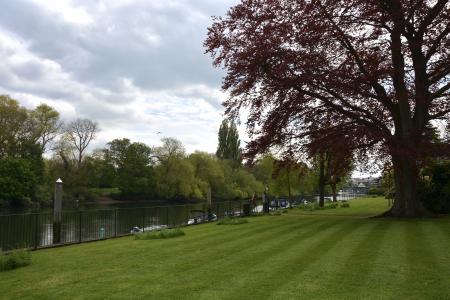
(379, 70)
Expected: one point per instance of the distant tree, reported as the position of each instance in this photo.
(175, 179)
(170, 148)
(98, 172)
(288, 174)
(334, 158)
(379, 69)
(79, 134)
(208, 170)
(47, 125)
(15, 127)
(17, 181)
(133, 165)
(175, 175)
(20, 150)
(65, 151)
(229, 142)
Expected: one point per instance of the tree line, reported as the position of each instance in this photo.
(36, 148)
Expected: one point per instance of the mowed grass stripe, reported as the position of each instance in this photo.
(163, 262)
(346, 266)
(216, 255)
(252, 254)
(195, 239)
(387, 268)
(421, 273)
(293, 258)
(214, 259)
(364, 260)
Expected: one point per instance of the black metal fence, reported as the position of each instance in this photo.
(36, 230)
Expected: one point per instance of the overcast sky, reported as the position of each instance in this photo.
(136, 67)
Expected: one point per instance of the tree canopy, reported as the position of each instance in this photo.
(376, 72)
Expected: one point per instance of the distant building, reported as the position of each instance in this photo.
(362, 185)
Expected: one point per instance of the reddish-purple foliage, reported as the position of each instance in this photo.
(373, 72)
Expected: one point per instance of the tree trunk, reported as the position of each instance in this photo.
(321, 181)
(289, 188)
(406, 201)
(333, 190)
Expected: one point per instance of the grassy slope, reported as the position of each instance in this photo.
(282, 257)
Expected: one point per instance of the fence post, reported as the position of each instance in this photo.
(143, 219)
(80, 239)
(115, 222)
(167, 216)
(36, 231)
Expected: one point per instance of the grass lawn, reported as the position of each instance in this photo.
(292, 256)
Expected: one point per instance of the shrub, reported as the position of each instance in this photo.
(284, 211)
(162, 234)
(275, 213)
(232, 221)
(14, 260)
(309, 206)
(345, 205)
(435, 194)
(332, 205)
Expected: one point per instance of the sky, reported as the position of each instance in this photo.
(135, 67)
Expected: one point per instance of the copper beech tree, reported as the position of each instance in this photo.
(378, 71)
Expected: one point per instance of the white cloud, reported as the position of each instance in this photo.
(135, 67)
(67, 10)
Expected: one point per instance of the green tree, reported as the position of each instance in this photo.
(15, 127)
(175, 175)
(176, 180)
(170, 148)
(47, 125)
(208, 170)
(17, 141)
(133, 165)
(229, 142)
(17, 181)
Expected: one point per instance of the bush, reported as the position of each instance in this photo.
(435, 194)
(232, 221)
(345, 205)
(162, 234)
(14, 260)
(309, 206)
(331, 205)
